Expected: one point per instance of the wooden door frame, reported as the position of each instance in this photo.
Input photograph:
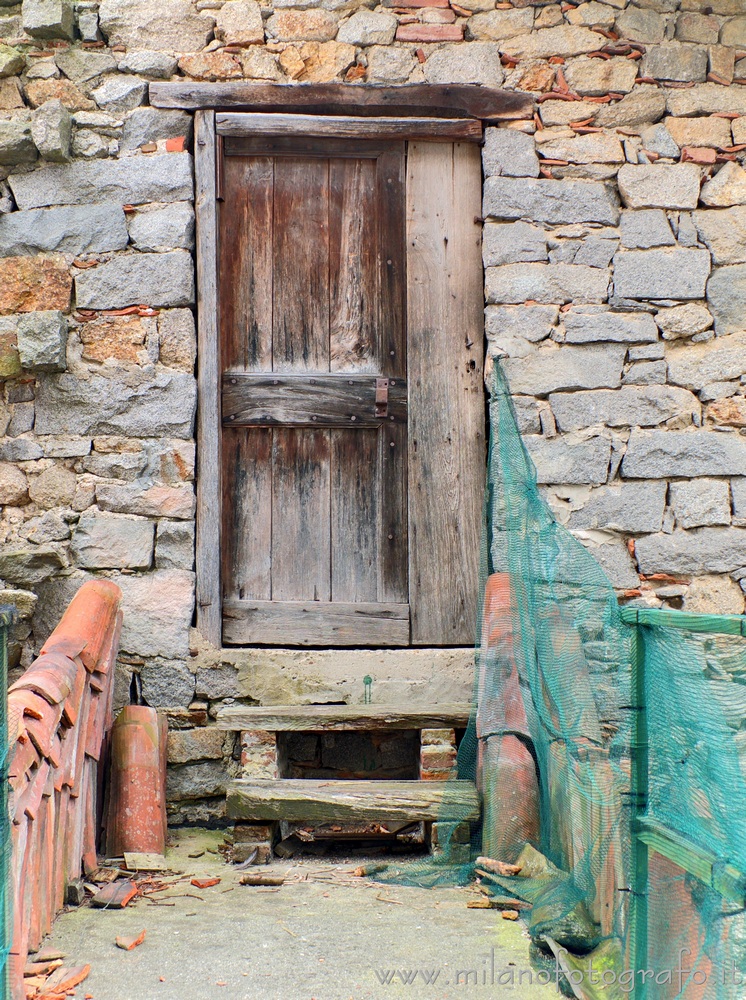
(473, 105)
(209, 484)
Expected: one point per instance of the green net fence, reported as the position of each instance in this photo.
(689, 838)
(608, 749)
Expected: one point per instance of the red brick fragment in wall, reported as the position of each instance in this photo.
(430, 33)
(58, 721)
(136, 814)
(417, 4)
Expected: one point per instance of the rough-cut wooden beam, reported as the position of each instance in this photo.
(314, 623)
(310, 401)
(208, 415)
(344, 127)
(306, 800)
(317, 718)
(441, 100)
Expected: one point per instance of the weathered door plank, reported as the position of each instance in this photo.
(247, 513)
(446, 395)
(301, 542)
(353, 267)
(393, 570)
(282, 145)
(355, 516)
(246, 265)
(309, 400)
(345, 127)
(315, 623)
(301, 265)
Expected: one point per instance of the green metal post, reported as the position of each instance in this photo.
(639, 780)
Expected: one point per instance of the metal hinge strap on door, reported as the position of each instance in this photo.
(382, 397)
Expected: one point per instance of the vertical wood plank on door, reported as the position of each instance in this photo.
(301, 264)
(393, 524)
(353, 266)
(247, 513)
(392, 348)
(246, 263)
(392, 352)
(355, 521)
(446, 395)
(209, 611)
(301, 501)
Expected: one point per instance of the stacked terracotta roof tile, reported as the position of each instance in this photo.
(59, 713)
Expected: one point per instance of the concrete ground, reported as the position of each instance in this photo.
(324, 935)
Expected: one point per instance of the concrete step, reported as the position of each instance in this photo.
(320, 718)
(308, 800)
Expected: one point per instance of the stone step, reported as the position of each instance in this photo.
(320, 718)
(322, 801)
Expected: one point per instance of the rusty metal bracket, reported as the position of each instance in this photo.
(382, 397)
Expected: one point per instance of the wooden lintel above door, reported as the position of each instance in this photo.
(461, 100)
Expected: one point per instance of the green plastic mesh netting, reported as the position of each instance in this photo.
(607, 745)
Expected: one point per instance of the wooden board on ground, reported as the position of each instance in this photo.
(310, 800)
(317, 718)
(135, 862)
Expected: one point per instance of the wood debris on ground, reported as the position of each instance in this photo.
(119, 882)
(251, 879)
(105, 875)
(498, 867)
(139, 862)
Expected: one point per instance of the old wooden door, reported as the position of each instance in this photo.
(352, 420)
(314, 392)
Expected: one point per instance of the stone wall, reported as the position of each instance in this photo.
(615, 257)
(615, 277)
